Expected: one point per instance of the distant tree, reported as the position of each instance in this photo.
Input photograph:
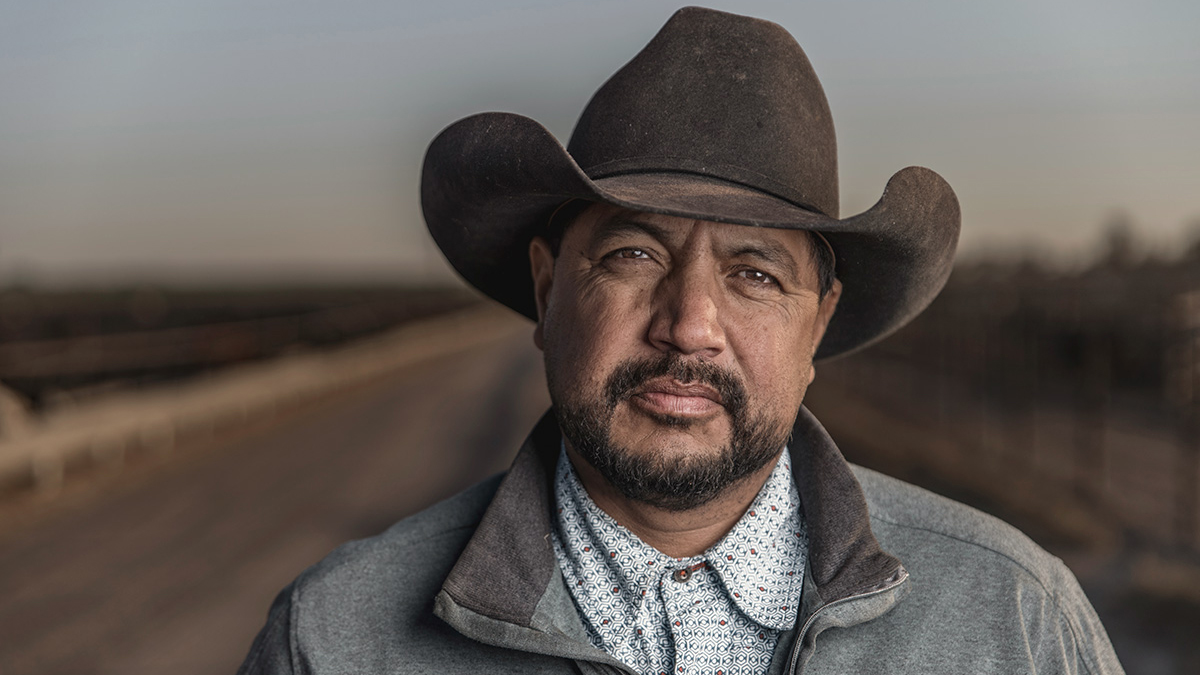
(1191, 240)
(1120, 247)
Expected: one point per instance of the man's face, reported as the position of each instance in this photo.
(677, 351)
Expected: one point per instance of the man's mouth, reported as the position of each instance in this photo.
(666, 396)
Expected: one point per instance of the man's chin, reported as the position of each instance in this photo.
(677, 463)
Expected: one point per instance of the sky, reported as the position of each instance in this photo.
(188, 141)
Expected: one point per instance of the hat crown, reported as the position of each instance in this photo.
(720, 95)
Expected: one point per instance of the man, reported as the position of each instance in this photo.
(679, 511)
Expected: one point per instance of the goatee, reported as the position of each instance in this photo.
(679, 484)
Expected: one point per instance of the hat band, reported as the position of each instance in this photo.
(729, 173)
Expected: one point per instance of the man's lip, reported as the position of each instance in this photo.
(676, 399)
(673, 388)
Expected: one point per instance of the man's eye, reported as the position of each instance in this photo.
(757, 277)
(631, 254)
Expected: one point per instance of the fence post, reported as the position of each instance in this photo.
(1182, 380)
(1090, 416)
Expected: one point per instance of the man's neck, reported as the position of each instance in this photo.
(679, 534)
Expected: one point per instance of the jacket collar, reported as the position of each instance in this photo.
(506, 571)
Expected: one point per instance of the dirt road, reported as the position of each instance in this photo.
(171, 568)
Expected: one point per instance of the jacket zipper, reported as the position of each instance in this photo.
(792, 660)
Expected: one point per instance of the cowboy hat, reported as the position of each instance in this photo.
(719, 118)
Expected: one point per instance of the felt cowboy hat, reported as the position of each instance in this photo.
(720, 118)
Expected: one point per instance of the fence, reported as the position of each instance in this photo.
(1075, 397)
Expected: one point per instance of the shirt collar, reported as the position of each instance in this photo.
(761, 560)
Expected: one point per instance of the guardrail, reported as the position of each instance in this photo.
(73, 347)
(155, 419)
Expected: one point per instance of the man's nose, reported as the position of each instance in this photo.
(686, 316)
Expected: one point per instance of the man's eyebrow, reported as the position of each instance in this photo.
(770, 252)
(621, 225)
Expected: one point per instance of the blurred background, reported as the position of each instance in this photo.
(227, 343)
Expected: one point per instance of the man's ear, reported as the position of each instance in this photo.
(541, 266)
(824, 314)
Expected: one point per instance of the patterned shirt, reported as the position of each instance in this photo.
(721, 615)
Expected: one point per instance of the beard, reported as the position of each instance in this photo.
(674, 484)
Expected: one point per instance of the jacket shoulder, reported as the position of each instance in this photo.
(369, 603)
(895, 503)
(961, 559)
(424, 534)
(404, 560)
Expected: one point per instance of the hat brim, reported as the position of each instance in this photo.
(491, 181)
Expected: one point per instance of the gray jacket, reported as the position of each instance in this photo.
(471, 586)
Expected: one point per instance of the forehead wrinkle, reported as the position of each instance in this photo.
(626, 224)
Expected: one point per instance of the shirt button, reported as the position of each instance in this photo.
(681, 575)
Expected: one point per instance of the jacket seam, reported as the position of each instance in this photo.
(1075, 642)
(441, 533)
(976, 544)
(293, 638)
(1082, 654)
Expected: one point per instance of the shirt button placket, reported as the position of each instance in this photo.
(676, 596)
(682, 593)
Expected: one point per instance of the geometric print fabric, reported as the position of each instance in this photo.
(724, 618)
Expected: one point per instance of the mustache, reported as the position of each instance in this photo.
(631, 374)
